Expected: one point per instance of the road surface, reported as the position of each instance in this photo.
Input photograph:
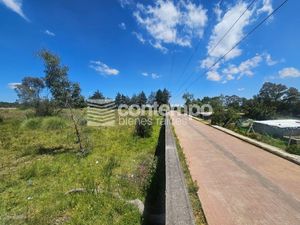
(238, 182)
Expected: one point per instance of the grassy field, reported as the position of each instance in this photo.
(39, 164)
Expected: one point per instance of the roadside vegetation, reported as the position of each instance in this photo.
(274, 101)
(44, 179)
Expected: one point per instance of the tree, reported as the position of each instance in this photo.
(233, 101)
(224, 117)
(271, 93)
(188, 98)
(77, 99)
(29, 91)
(118, 99)
(162, 97)
(141, 99)
(151, 98)
(166, 96)
(291, 102)
(97, 95)
(256, 109)
(64, 92)
(56, 79)
(134, 100)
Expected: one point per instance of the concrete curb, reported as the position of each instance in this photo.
(178, 206)
(269, 148)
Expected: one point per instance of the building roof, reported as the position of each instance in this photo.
(281, 123)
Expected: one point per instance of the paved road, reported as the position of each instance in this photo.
(238, 182)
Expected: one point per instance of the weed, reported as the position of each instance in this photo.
(293, 149)
(143, 127)
(32, 124)
(54, 123)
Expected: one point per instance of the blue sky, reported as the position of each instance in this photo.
(132, 45)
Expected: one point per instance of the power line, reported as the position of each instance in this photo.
(193, 53)
(221, 39)
(238, 19)
(239, 42)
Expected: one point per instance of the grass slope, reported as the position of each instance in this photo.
(39, 164)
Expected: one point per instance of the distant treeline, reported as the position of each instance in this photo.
(272, 101)
(9, 104)
(159, 96)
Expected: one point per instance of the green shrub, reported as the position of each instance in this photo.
(224, 118)
(1, 119)
(54, 123)
(44, 108)
(293, 149)
(143, 127)
(32, 124)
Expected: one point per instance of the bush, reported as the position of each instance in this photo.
(293, 149)
(44, 108)
(1, 119)
(54, 123)
(224, 118)
(143, 127)
(32, 124)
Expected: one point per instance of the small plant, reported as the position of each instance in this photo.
(32, 124)
(1, 119)
(143, 127)
(29, 172)
(108, 169)
(293, 149)
(53, 123)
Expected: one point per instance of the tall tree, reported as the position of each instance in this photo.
(151, 98)
(118, 99)
(271, 93)
(97, 95)
(166, 96)
(57, 81)
(141, 99)
(188, 98)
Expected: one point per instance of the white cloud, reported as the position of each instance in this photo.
(266, 7)
(289, 72)
(152, 75)
(139, 37)
(158, 45)
(235, 35)
(213, 76)
(125, 3)
(170, 23)
(245, 68)
(122, 26)
(102, 68)
(241, 89)
(237, 32)
(16, 6)
(13, 85)
(218, 11)
(195, 19)
(48, 32)
(269, 60)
